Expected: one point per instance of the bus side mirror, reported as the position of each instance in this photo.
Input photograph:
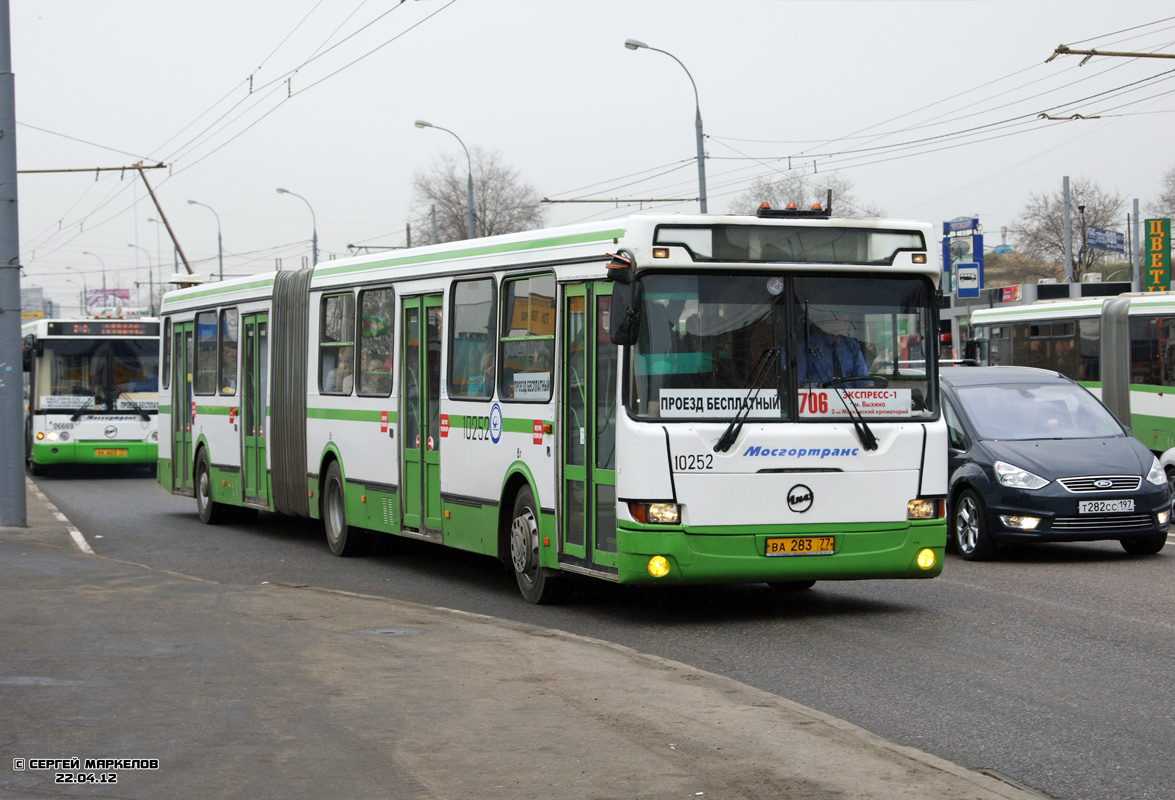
(624, 318)
(26, 354)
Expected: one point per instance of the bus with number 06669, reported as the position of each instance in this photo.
(90, 391)
(661, 399)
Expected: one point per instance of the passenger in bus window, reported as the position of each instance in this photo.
(339, 378)
(829, 354)
(482, 385)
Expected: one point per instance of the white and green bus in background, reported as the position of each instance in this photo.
(642, 401)
(1122, 348)
(91, 391)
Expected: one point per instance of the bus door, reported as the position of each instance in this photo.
(588, 426)
(254, 478)
(183, 407)
(420, 412)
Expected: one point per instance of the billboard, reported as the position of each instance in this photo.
(99, 299)
(1156, 253)
(1102, 239)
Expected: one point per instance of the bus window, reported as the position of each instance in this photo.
(528, 338)
(471, 340)
(336, 347)
(228, 351)
(206, 354)
(377, 312)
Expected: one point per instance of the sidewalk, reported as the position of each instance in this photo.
(284, 692)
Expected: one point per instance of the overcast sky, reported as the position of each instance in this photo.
(930, 107)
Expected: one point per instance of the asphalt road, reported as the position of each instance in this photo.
(1049, 667)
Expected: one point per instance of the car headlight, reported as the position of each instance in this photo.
(1010, 475)
(1156, 476)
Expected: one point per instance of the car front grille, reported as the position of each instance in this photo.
(1118, 483)
(1108, 522)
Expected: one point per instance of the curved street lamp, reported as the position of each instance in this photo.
(103, 263)
(219, 244)
(636, 44)
(313, 222)
(469, 185)
(151, 275)
(85, 291)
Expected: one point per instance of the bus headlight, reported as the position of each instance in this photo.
(155, 436)
(924, 508)
(926, 558)
(51, 436)
(656, 513)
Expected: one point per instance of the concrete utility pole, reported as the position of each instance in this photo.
(1068, 222)
(13, 510)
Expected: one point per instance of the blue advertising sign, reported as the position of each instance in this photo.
(961, 224)
(1102, 239)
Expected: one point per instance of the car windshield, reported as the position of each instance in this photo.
(1037, 411)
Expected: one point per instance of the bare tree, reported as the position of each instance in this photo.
(1040, 230)
(1165, 206)
(804, 189)
(502, 201)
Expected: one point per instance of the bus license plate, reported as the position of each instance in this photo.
(800, 545)
(1105, 506)
(116, 452)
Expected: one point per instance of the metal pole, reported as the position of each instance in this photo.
(634, 44)
(1135, 274)
(1068, 232)
(313, 223)
(13, 508)
(469, 195)
(219, 243)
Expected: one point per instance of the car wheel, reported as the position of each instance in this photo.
(535, 584)
(969, 528)
(211, 512)
(1144, 546)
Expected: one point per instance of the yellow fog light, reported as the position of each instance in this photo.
(1164, 516)
(1017, 521)
(658, 566)
(926, 558)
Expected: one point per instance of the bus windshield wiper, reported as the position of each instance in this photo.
(864, 433)
(78, 414)
(146, 417)
(762, 369)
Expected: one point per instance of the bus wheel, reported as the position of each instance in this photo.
(1146, 546)
(344, 539)
(969, 527)
(211, 513)
(536, 585)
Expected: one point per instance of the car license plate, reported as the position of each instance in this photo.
(800, 545)
(115, 452)
(1104, 506)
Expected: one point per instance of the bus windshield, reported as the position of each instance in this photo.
(794, 346)
(101, 374)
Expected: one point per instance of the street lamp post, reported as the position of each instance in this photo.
(103, 263)
(635, 44)
(158, 252)
(219, 244)
(85, 291)
(82, 296)
(151, 278)
(313, 222)
(469, 184)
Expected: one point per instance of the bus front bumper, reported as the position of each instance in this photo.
(859, 552)
(91, 452)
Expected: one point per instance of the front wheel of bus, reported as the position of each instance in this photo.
(344, 539)
(211, 512)
(535, 584)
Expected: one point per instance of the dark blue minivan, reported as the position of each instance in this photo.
(1035, 457)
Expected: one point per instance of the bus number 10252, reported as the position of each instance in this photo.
(691, 462)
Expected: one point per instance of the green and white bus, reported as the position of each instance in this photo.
(91, 391)
(1122, 348)
(616, 400)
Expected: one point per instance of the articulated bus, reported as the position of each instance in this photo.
(1122, 348)
(91, 391)
(616, 400)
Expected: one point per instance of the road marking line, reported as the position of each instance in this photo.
(74, 533)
